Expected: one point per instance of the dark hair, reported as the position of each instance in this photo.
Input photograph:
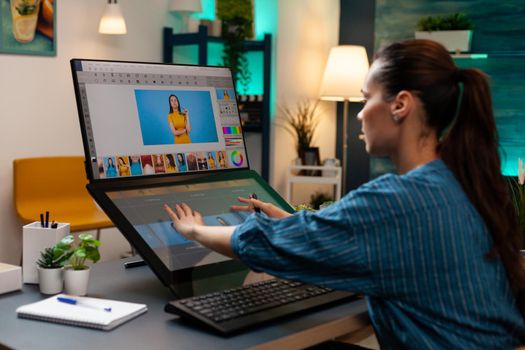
(170, 159)
(178, 103)
(468, 137)
(110, 165)
(182, 161)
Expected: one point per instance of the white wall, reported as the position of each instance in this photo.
(307, 29)
(37, 103)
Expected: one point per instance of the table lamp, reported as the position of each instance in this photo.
(343, 80)
(185, 8)
(112, 21)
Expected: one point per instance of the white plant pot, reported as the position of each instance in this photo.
(76, 281)
(51, 281)
(453, 40)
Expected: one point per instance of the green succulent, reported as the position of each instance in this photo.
(456, 21)
(56, 256)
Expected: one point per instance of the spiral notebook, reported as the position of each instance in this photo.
(87, 312)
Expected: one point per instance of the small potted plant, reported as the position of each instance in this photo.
(50, 267)
(76, 273)
(452, 31)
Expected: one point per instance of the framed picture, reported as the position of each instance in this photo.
(311, 157)
(28, 27)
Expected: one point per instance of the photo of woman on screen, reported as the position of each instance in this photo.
(181, 162)
(111, 171)
(179, 121)
(123, 167)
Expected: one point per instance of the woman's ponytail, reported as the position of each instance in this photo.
(470, 149)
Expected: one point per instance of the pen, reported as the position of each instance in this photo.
(77, 302)
(254, 196)
(41, 219)
(47, 218)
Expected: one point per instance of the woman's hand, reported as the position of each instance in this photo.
(267, 208)
(184, 219)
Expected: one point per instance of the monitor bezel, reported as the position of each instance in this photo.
(87, 163)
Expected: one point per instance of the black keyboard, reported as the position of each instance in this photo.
(235, 309)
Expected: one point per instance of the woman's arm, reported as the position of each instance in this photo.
(254, 204)
(190, 224)
(172, 127)
(187, 119)
(174, 131)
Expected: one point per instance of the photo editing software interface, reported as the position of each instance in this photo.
(150, 119)
(144, 210)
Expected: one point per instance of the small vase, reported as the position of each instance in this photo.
(51, 281)
(76, 281)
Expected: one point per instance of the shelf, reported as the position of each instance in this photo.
(201, 39)
(471, 56)
(483, 56)
(330, 176)
(192, 38)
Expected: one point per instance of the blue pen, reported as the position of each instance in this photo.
(77, 302)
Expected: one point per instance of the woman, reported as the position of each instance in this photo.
(179, 121)
(211, 161)
(111, 171)
(171, 167)
(123, 167)
(135, 166)
(158, 163)
(222, 159)
(435, 248)
(181, 162)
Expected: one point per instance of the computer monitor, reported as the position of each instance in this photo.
(143, 151)
(144, 119)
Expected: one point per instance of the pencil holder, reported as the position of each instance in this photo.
(35, 239)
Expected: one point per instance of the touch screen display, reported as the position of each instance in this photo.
(144, 209)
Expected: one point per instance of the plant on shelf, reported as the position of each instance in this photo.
(320, 200)
(452, 31)
(300, 122)
(456, 21)
(237, 25)
(304, 206)
(518, 198)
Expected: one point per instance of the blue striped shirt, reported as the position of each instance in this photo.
(414, 245)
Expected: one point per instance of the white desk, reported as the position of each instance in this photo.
(331, 176)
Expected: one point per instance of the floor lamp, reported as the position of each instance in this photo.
(343, 80)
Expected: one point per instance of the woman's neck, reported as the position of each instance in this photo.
(411, 155)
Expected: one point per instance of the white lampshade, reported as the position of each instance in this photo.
(112, 21)
(185, 6)
(344, 73)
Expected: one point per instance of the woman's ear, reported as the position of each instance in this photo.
(401, 106)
